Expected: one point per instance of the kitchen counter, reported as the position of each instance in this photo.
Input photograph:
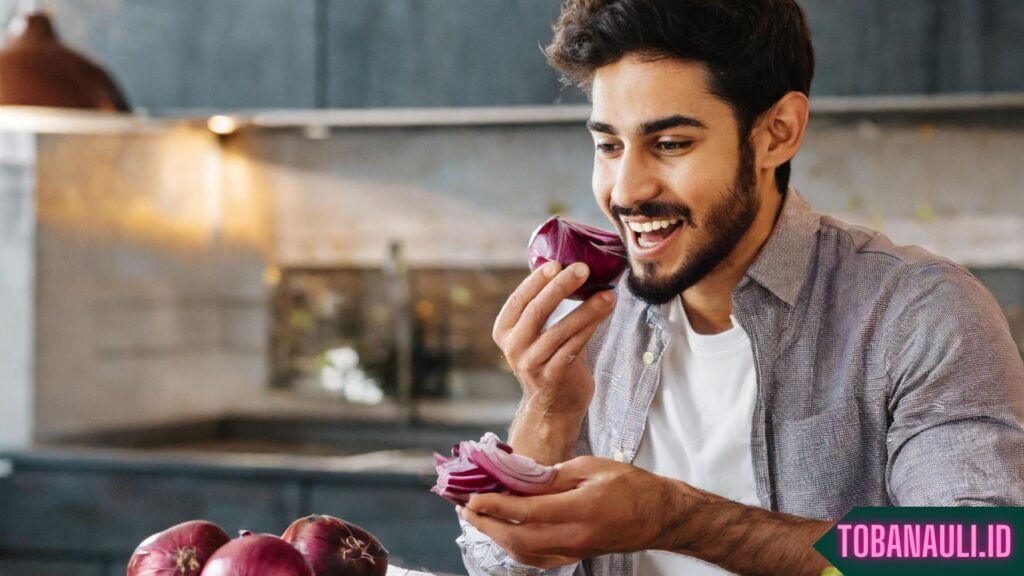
(82, 509)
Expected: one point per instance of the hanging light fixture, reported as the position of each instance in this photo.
(37, 69)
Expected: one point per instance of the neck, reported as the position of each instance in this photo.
(708, 303)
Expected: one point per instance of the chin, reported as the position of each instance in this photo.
(654, 288)
(659, 281)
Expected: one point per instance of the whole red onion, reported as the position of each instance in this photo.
(334, 547)
(566, 242)
(257, 555)
(181, 550)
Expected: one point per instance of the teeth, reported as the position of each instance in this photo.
(651, 226)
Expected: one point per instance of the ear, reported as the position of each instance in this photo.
(780, 131)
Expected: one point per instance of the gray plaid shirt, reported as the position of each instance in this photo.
(886, 376)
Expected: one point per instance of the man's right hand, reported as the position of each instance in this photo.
(550, 364)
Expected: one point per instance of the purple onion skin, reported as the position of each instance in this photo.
(334, 547)
(257, 555)
(181, 550)
(565, 242)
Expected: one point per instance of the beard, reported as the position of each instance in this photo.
(715, 237)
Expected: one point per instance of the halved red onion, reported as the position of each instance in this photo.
(257, 555)
(334, 547)
(488, 465)
(181, 550)
(566, 242)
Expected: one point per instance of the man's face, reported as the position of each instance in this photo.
(669, 171)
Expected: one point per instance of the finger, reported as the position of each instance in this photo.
(564, 341)
(569, 475)
(553, 508)
(552, 354)
(561, 287)
(527, 330)
(522, 296)
(501, 506)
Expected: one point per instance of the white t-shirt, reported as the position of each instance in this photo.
(699, 424)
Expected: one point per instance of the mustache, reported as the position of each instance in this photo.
(655, 210)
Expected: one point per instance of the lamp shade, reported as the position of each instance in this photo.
(36, 69)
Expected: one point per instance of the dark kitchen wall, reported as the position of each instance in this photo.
(198, 53)
(380, 53)
(917, 46)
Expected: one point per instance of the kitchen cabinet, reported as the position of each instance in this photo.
(916, 46)
(440, 53)
(198, 54)
(239, 54)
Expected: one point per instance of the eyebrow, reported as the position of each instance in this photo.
(651, 126)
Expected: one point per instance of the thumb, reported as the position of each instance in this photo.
(568, 475)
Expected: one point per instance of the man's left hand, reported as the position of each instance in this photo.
(594, 506)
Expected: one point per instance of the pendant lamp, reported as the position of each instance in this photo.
(37, 69)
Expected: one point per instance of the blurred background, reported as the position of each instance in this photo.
(251, 273)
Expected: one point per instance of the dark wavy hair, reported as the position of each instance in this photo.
(755, 51)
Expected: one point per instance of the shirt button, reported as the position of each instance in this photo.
(618, 455)
(648, 357)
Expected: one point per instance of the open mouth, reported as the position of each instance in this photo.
(651, 234)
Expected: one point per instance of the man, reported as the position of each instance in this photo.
(762, 368)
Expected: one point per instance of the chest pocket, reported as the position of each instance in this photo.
(825, 464)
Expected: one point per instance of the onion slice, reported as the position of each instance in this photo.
(487, 465)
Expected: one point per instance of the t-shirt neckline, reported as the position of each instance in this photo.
(705, 344)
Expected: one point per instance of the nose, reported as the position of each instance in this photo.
(635, 182)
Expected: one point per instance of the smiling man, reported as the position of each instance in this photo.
(762, 368)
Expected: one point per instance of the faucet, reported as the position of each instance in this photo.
(396, 272)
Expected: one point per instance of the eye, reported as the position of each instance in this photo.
(674, 146)
(607, 148)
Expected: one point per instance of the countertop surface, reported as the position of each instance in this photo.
(411, 466)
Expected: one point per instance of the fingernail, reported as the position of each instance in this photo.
(579, 269)
(550, 269)
(608, 296)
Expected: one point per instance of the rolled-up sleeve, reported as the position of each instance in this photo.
(956, 398)
(483, 557)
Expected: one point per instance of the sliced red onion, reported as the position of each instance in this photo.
(487, 466)
(181, 550)
(566, 242)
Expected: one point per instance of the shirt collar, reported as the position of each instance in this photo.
(783, 262)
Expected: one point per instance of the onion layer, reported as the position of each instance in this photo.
(181, 550)
(334, 547)
(566, 242)
(487, 466)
